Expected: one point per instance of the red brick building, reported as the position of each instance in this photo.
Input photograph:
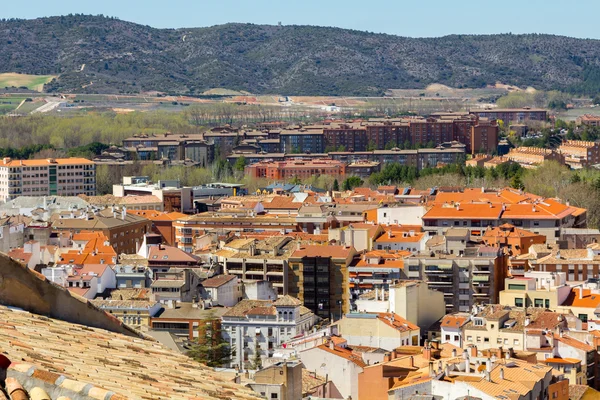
(302, 169)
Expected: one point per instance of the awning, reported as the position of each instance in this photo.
(445, 266)
(481, 278)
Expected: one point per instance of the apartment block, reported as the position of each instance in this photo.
(473, 278)
(589, 120)
(512, 114)
(532, 157)
(319, 277)
(580, 154)
(52, 176)
(302, 169)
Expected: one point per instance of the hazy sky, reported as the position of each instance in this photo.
(400, 17)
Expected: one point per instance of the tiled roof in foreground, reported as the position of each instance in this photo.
(99, 364)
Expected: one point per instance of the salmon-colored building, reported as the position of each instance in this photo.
(302, 169)
(516, 241)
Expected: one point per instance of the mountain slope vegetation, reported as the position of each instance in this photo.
(96, 54)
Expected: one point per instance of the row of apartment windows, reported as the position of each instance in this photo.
(503, 341)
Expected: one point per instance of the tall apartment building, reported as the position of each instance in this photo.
(52, 176)
(579, 153)
(483, 137)
(301, 141)
(472, 278)
(352, 137)
(319, 277)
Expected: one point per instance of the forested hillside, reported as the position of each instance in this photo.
(96, 54)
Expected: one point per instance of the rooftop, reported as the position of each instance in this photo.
(114, 366)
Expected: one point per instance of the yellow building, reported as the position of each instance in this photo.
(536, 289)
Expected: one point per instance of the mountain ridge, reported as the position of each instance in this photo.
(117, 56)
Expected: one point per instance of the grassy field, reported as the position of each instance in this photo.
(33, 82)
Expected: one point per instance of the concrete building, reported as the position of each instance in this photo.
(472, 278)
(132, 276)
(589, 120)
(536, 289)
(451, 328)
(360, 236)
(251, 259)
(533, 157)
(60, 176)
(302, 169)
(403, 215)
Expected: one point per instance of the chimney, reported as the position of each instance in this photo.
(123, 213)
(488, 365)
(431, 371)
(473, 351)
(453, 352)
(580, 292)
(502, 374)
(447, 370)
(389, 234)
(412, 359)
(331, 345)
(488, 376)
(427, 352)
(395, 355)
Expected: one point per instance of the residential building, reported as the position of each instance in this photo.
(401, 215)
(132, 276)
(536, 289)
(251, 259)
(376, 269)
(514, 240)
(60, 176)
(263, 325)
(475, 277)
(533, 157)
(412, 241)
(358, 235)
(339, 362)
(577, 264)
(318, 276)
(176, 285)
(512, 114)
(451, 328)
(162, 223)
(124, 231)
(484, 137)
(384, 330)
(302, 169)
(580, 154)
(29, 254)
(182, 321)
(302, 140)
(135, 313)
(363, 168)
(222, 290)
(589, 120)
(282, 380)
(163, 258)
(578, 238)
(87, 281)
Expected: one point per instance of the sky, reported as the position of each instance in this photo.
(420, 18)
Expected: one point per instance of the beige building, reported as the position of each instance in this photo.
(135, 313)
(281, 381)
(417, 303)
(60, 176)
(536, 289)
(381, 330)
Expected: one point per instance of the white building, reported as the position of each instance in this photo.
(451, 328)
(405, 215)
(410, 240)
(265, 325)
(222, 290)
(60, 176)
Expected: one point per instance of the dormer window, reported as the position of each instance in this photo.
(478, 321)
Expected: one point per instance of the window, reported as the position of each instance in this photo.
(583, 317)
(547, 303)
(273, 395)
(470, 339)
(538, 302)
(456, 338)
(478, 339)
(518, 302)
(447, 337)
(486, 340)
(514, 286)
(516, 342)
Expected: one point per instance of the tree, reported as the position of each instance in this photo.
(257, 359)
(210, 348)
(596, 99)
(371, 146)
(351, 182)
(240, 164)
(295, 180)
(336, 185)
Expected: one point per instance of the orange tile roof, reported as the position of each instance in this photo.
(574, 343)
(153, 215)
(588, 300)
(88, 271)
(79, 291)
(562, 360)
(398, 322)
(43, 162)
(464, 211)
(399, 238)
(217, 281)
(344, 353)
(20, 255)
(454, 321)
